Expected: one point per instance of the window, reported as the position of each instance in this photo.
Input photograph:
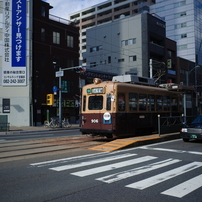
(128, 42)
(93, 64)
(121, 102)
(70, 41)
(95, 102)
(56, 37)
(151, 102)
(181, 25)
(133, 101)
(131, 41)
(109, 59)
(166, 103)
(43, 11)
(160, 9)
(159, 102)
(181, 3)
(96, 48)
(42, 34)
(174, 104)
(142, 102)
(177, 15)
(99, 47)
(121, 60)
(181, 36)
(182, 47)
(132, 58)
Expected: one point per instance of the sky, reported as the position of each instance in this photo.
(62, 8)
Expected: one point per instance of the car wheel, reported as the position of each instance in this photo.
(185, 140)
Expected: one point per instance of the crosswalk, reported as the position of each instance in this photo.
(108, 164)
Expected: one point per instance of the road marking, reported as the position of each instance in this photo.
(112, 166)
(171, 150)
(45, 163)
(133, 172)
(164, 176)
(87, 163)
(185, 187)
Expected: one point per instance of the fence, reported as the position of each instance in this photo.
(4, 125)
(171, 124)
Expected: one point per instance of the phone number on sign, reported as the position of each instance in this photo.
(13, 80)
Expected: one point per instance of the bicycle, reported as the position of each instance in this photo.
(65, 123)
(52, 123)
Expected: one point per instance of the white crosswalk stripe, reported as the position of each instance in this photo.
(164, 176)
(185, 187)
(113, 166)
(87, 163)
(129, 173)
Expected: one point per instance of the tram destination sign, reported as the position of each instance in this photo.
(97, 90)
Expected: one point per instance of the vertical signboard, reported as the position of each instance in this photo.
(14, 56)
(6, 105)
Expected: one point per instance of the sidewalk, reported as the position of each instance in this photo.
(23, 129)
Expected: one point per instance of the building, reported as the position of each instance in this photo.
(34, 45)
(106, 12)
(182, 17)
(183, 24)
(127, 45)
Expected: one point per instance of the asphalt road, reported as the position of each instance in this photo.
(166, 171)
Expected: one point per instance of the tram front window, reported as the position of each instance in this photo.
(95, 103)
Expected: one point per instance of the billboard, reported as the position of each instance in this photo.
(14, 43)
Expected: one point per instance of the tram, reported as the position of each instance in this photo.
(122, 107)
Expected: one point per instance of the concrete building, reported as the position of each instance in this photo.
(106, 12)
(127, 45)
(182, 17)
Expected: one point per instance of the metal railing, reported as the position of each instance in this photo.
(170, 124)
(4, 127)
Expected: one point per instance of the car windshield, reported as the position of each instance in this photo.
(198, 119)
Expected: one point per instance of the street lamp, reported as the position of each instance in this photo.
(188, 72)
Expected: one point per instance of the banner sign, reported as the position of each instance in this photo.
(14, 38)
(19, 33)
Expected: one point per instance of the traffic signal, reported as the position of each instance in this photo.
(80, 69)
(49, 99)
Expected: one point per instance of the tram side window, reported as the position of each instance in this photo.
(151, 102)
(133, 99)
(159, 102)
(142, 102)
(174, 104)
(166, 103)
(84, 103)
(95, 102)
(108, 102)
(121, 102)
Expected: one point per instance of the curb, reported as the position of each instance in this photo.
(34, 131)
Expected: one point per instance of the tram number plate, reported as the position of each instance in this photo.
(193, 136)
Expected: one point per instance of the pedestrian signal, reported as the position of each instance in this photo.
(49, 99)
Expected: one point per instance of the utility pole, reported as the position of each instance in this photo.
(59, 74)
